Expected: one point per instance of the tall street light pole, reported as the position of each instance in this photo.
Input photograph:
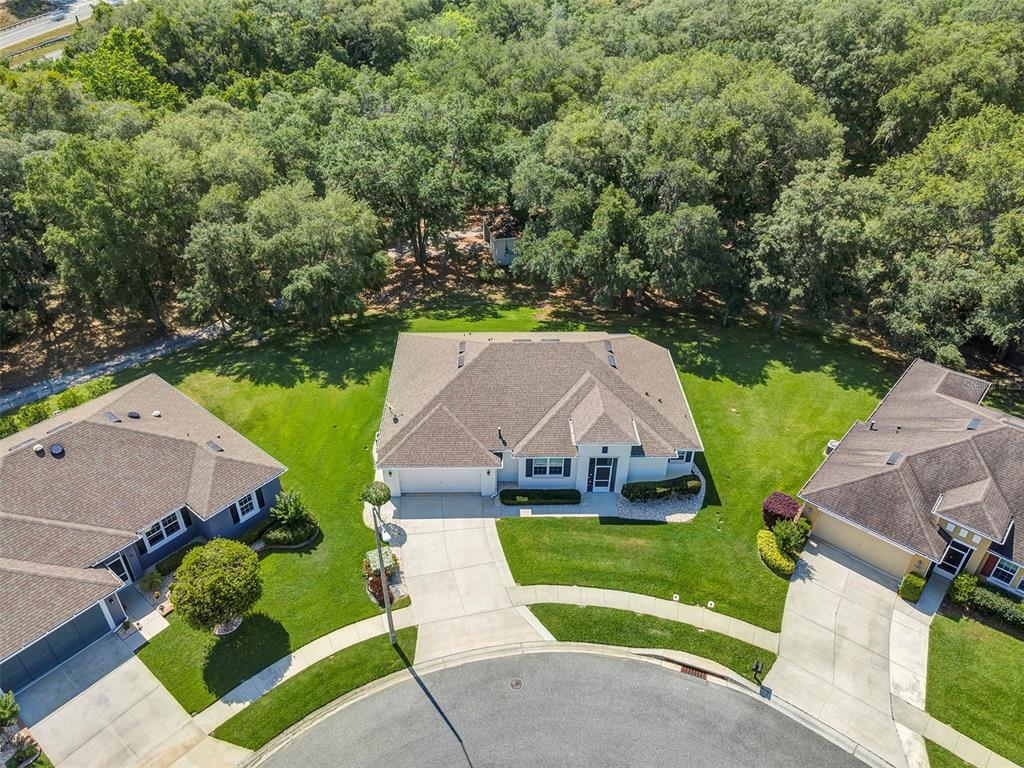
(382, 533)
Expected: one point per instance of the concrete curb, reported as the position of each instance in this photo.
(648, 656)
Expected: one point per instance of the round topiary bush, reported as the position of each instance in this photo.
(216, 583)
(779, 506)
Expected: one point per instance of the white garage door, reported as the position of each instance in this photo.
(440, 480)
(861, 544)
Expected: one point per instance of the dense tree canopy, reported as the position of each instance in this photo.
(249, 158)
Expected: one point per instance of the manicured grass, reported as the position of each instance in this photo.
(315, 687)
(610, 626)
(313, 401)
(765, 406)
(976, 682)
(939, 757)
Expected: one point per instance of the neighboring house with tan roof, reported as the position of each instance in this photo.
(93, 496)
(467, 411)
(932, 482)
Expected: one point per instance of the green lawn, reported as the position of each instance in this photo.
(315, 687)
(610, 626)
(765, 407)
(939, 757)
(976, 682)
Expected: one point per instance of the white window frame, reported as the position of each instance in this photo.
(161, 526)
(1000, 564)
(251, 498)
(549, 462)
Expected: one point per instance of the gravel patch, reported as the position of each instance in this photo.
(676, 509)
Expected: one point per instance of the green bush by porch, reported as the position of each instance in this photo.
(316, 686)
(975, 680)
(610, 626)
(539, 496)
(649, 490)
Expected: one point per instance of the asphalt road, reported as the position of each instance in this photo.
(48, 23)
(572, 710)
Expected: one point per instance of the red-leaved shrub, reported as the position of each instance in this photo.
(779, 506)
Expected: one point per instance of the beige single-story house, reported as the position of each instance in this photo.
(932, 482)
(466, 412)
(92, 497)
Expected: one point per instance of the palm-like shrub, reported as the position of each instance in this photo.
(291, 520)
(216, 583)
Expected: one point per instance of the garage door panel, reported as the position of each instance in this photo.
(863, 545)
(444, 480)
(55, 648)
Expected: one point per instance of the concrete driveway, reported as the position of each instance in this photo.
(105, 709)
(834, 652)
(456, 573)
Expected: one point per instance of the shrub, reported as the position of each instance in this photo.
(24, 747)
(660, 489)
(170, 563)
(911, 587)
(373, 584)
(376, 494)
(9, 709)
(539, 496)
(999, 605)
(777, 560)
(789, 537)
(96, 387)
(779, 506)
(32, 413)
(255, 532)
(216, 582)
(288, 535)
(151, 581)
(69, 398)
(371, 567)
(962, 588)
(8, 425)
(291, 521)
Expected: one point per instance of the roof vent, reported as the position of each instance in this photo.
(611, 361)
(112, 417)
(974, 423)
(462, 359)
(156, 414)
(214, 446)
(871, 425)
(608, 346)
(894, 457)
(59, 427)
(57, 451)
(462, 347)
(521, 341)
(39, 449)
(134, 415)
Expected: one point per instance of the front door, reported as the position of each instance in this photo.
(602, 475)
(956, 557)
(119, 565)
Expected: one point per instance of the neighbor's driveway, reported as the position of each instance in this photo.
(105, 709)
(834, 652)
(456, 573)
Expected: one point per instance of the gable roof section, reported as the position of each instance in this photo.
(956, 458)
(546, 393)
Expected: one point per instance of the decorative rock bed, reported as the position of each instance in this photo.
(228, 626)
(675, 509)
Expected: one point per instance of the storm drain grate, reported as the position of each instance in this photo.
(693, 672)
(515, 684)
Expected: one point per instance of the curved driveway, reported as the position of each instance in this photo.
(571, 710)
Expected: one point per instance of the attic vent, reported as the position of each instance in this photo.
(521, 341)
(974, 423)
(893, 458)
(57, 451)
(608, 346)
(462, 347)
(22, 444)
(611, 361)
(134, 415)
(58, 427)
(462, 359)
(156, 414)
(112, 417)
(214, 446)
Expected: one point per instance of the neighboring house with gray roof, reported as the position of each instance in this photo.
(93, 496)
(467, 411)
(933, 481)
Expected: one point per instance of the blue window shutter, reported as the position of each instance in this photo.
(529, 467)
(259, 498)
(233, 509)
(566, 467)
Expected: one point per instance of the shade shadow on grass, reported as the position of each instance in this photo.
(255, 645)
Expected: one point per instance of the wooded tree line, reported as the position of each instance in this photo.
(840, 156)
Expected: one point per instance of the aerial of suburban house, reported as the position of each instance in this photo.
(92, 497)
(933, 481)
(466, 412)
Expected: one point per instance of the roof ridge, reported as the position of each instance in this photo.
(66, 573)
(66, 524)
(560, 403)
(414, 430)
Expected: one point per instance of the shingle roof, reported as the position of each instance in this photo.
(951, 456)
(118, 475)
(539, 389)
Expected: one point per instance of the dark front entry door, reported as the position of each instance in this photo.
(956, 558)
(601, 477)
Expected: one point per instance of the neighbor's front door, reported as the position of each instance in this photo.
(602, 474)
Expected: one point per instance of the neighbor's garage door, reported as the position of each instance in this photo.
(440, 480)
(58, 646)
(862, 544)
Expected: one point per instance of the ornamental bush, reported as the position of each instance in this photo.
(911, 587)
(962, 588)
(539, 496)
(789, 537)
(291, 521)
(997, 604)
(779, 506)
(661, 489)
(777, 560)
(216, 582)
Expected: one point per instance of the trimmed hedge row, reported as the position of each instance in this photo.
(649, 490)
(911, 587)
(772, 556)
(539, 496)
(998, 604)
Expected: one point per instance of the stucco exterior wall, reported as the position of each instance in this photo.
(976, 541)
(546, 481)
(862, 544)
(643, 468)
